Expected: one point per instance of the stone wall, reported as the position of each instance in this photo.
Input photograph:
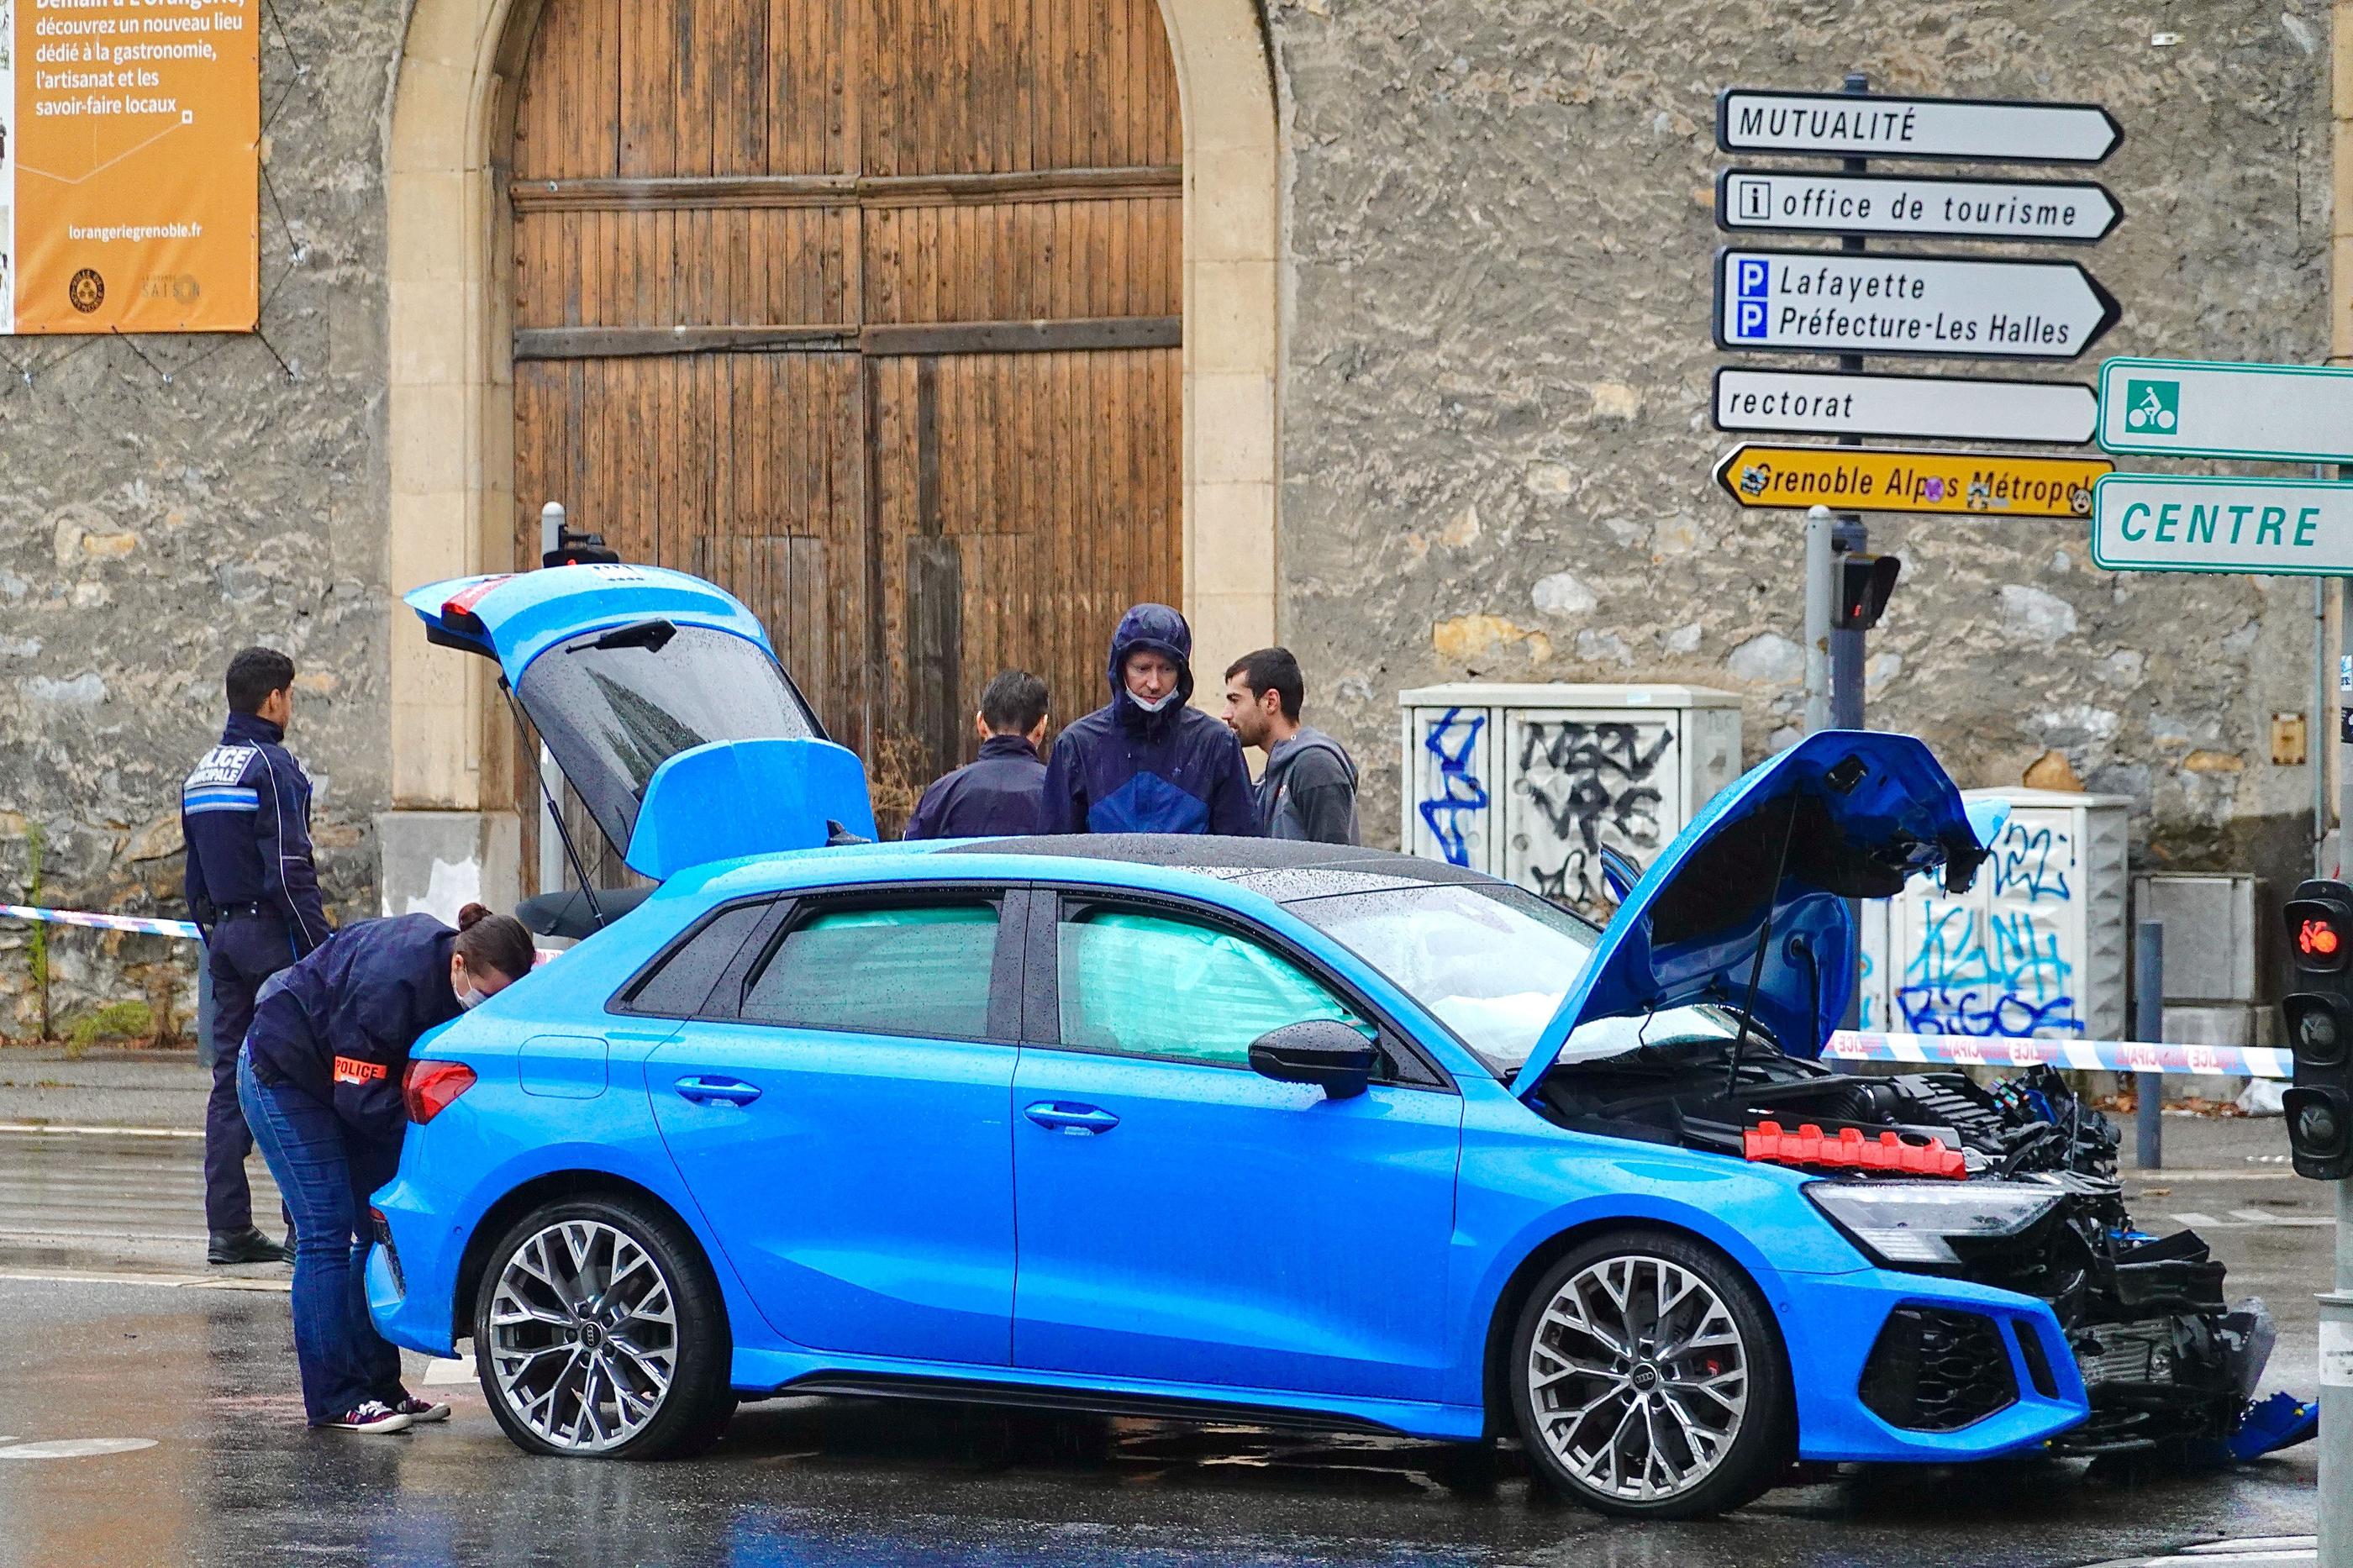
(1496, 442)
(166, 500)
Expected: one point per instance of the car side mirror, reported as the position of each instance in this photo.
(1324, 1052)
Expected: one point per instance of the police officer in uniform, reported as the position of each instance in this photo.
(245, 813)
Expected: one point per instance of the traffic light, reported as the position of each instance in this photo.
(2319, 1016)
(1864, 583)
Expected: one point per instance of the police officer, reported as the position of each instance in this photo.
(245, 813)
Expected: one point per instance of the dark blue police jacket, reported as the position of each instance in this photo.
(1122, 770)
(245, 813)
(996, 794)
(338, 1026)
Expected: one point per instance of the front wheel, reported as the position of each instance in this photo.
(598, 1331)
(1648, 1379)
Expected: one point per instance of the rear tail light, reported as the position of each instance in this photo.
(428, 1088)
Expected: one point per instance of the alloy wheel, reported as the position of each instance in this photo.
(1638, 1377)
(584, 1335)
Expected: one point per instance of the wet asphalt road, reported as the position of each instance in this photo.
(201, 1370)
(233, 1478)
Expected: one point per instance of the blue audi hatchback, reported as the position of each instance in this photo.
(1210, 1128)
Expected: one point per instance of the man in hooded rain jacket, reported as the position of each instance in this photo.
(1147, 763)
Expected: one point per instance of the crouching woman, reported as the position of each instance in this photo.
(320, 1078)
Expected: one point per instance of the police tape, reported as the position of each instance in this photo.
(2081, 1056)
(141, 924)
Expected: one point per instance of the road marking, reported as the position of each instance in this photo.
(86, 1132)
(2193, 1220)
(75, 1447)
(160, 1281)
(2257, 1216)
(441, 1373)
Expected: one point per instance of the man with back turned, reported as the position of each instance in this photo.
(245, 813)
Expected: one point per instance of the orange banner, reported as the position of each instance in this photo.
(130, 171)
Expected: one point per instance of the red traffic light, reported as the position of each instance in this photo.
(2320, 926)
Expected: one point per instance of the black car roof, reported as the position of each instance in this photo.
(1283, 870)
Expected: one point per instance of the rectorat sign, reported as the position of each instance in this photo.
(129, 172)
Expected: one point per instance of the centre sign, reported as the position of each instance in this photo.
(1814, 301)
(2191, 522)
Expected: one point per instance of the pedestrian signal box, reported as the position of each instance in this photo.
(2319, 1018)
(1865, 583)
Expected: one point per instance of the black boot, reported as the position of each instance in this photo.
(246, 1245)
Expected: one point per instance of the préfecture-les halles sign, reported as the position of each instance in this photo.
(129, 172)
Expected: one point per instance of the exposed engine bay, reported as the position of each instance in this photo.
(2168, 1362)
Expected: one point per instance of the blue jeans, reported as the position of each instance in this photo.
(326, 1174)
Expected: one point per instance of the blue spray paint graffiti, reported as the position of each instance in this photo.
(1998, 970)
(1461, 793)
(2023, 865)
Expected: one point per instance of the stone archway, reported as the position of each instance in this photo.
(452, 394)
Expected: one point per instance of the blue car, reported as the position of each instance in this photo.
(1210, 1128)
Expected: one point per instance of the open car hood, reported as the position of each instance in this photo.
(664, 706)
(1841, 814)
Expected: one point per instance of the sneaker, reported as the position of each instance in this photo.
(246, 1245)
(375, 1416)
(420, 1411)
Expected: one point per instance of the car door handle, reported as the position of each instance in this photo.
(710, 1090)
(1078, 1121)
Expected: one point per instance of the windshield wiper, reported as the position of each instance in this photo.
(650, 636)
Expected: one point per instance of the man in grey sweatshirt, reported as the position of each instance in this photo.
(1309, 788)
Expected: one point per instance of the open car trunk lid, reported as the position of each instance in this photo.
(1841, 814)
(660, 699)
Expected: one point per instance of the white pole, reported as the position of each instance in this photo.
(1818, 523)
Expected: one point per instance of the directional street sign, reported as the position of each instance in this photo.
(1825, 302)
(1868, 479)
(2188, 523)
(2192, 409)
(1931, 206)
(1760, 119)
(1947, 408)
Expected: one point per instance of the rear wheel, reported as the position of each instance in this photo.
(599, 1333)
(1648, 1379)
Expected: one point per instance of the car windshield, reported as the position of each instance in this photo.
(1493, 962)
(613, 706)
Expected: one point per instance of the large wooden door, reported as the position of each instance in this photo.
(869, 311)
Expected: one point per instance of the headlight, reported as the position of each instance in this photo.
(1906, 1224)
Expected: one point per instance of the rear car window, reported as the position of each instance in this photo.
(679, 982)
(916, 970)
(615, 705)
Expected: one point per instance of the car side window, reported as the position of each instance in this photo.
(1150, 984)
(677, 984)
(916, 968)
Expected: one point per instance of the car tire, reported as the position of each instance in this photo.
(1708, 1380)
(599, 1333)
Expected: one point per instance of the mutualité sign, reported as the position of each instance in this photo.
(130, 172)
(1952, 407)
(1762, 120)
(2194, 523)
(1823, 301)
(1918, 206)
(2197, 408)
(1867, 479)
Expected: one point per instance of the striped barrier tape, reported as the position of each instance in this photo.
(2082, 1055)
(142, 925)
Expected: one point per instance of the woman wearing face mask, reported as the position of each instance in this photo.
(320, 1080)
